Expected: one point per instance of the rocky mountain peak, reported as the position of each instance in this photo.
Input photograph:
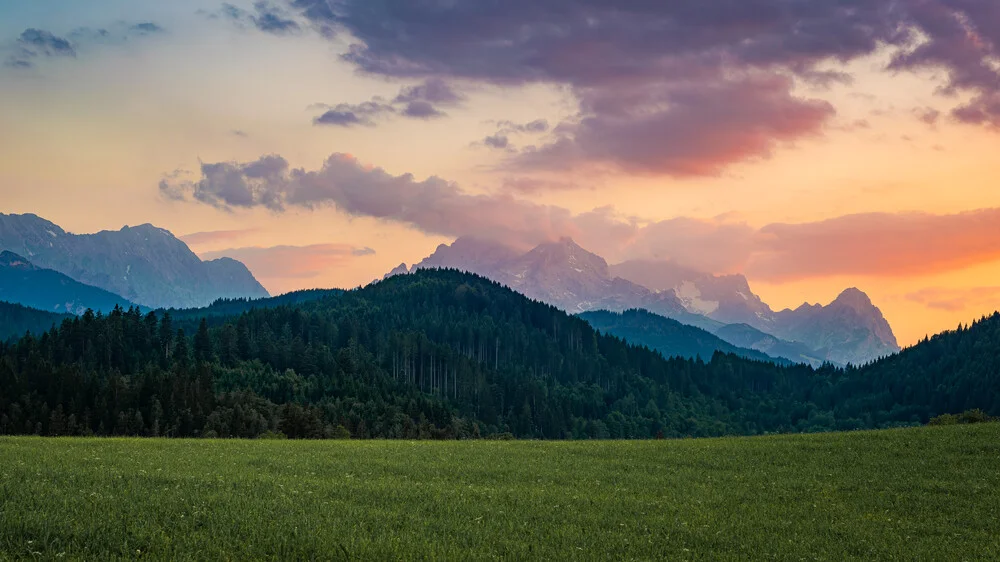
(854, 299)
(400, 269)
(567, 254)
(468, 253)
(144, 264)
(11, 260)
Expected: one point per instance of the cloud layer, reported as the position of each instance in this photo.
(276, 265)
(659, 82)
(876, 244)
(420, 101)
(34, 45)
(266, 17)
(957, 300)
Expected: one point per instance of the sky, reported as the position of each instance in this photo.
(812, 146)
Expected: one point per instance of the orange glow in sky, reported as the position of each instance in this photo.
(93, 135)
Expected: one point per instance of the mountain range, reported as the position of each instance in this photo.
(850, 330)
(668, 336)
(443, 354)
(145, 265)
(44, 289)
(47, 268)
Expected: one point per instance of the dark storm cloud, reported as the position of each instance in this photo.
(678, 64)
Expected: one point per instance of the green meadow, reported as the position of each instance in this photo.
(914, 494)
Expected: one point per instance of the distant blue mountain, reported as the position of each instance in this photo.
(668, 336)
(21, 282)
(145, 264)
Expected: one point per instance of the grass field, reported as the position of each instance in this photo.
(915, 494)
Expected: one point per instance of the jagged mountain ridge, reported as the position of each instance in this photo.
(726, 298)
(23, 283)
(746, 336)
(670, 337)
(144, 264)
(850, 330)
(560, 273)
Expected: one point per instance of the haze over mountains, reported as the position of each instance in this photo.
(849, 330)
(47, 268)
(668, 336)
(145, 265)
(44, 289)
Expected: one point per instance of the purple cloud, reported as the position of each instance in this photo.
(498, 141)
(348, 115)
(657, 80)
(878, 244)
(419, 101)
(432, 205)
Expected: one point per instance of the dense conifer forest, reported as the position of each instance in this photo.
(445, 355)
(16, 319)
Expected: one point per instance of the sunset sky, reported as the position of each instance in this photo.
(813, 146)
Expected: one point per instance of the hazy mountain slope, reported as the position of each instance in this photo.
(474, 255)
(746, 336)
(562, 274)
(850, 329)
(144, 264)
(668, 336)
(727, 299)
(21, 282)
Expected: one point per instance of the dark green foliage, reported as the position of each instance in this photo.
(16, 319)
(444, 355)
(969, 416)
(225, 308)
(668, 336)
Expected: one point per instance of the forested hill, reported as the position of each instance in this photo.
(433, 354)
(225, 308)
(668, 336)
(16, 319)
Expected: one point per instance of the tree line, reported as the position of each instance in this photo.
(447, 355)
